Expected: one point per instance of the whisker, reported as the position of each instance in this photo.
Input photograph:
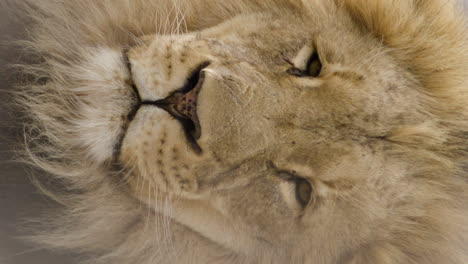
(167, 29)
(156, 220)
(168, 214)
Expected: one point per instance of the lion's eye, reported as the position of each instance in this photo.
(314, 65)
(303, 191)
(306, 64)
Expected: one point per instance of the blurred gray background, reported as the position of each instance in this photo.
(18, 198)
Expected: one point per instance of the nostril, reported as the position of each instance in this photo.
(194, 78)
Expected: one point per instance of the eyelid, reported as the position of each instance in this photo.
(287, 174)
(290, 176)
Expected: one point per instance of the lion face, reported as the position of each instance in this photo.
(263, 136)
(283, 136)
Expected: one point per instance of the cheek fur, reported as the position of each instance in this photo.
(104, 100)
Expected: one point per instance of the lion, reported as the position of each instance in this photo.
(250, 131)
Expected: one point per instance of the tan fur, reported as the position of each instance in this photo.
(380, 134)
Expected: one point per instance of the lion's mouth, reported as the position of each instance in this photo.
(182, 105)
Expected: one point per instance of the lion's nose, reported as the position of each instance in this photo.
(182, 105)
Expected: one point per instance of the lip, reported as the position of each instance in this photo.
(136, 103)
